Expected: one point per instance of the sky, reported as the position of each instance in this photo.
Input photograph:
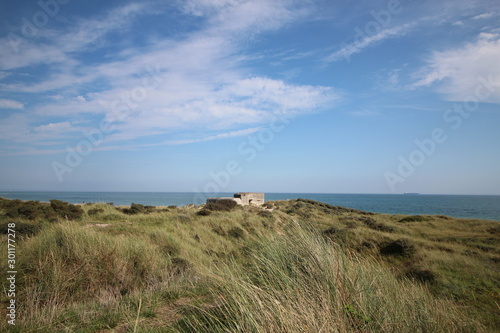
(231, 95)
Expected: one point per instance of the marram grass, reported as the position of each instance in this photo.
(300, 282)
(300, 266)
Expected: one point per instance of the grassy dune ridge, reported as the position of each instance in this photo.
(296, 265)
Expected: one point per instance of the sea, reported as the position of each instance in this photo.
(485, 207)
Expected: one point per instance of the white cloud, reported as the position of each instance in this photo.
(225, 135)
(205, 7)
(257, 16)
(250, 17)
(10, 104)
(214, 106)
(54, 127)
(364, 113)
(264, 92)
(56, 97)
(359, 44)
(3, 74)
(199, 82)
(483, 16)
(457, 73)
(50, 46)
(15, 128)
(50, 83)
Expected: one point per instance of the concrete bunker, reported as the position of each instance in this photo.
(243, 198)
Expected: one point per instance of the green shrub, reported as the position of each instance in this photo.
(324, 207)
(66, 210)
(236, 232)
(21, 228)
(414, 218)
(31, 210)
(373, 224)
(95, 211)
(494, 230)
(337, 235)
(400, 247)
(203, 212)
(422, 275)
(331, 231)
(138, 209)
(268, 205)
(221, 205)
(266, 214)
(219, 231)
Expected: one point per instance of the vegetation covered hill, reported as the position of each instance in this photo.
(292, 266)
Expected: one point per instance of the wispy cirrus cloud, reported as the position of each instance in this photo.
(366, 41)
(218, 136)
(55, 46)
(3, 74)
(200, 81)
(484, 16)
(10, 104)
(457, 73)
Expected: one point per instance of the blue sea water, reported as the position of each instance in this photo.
(461, 206)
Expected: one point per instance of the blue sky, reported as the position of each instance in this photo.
(232, 95)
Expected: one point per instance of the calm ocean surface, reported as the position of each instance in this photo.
(462, 206)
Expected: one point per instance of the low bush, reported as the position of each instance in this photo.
(236, 232)
(400, 247)
(338, 235)
(31, 210)
(95, 211)
(35, 210)
(494, 230)
(266, 214)
(414, 218)
(66, 210)
(373, 224)
(331, 231)
(21, 228)
(219, 231)
(203, 212)
(221, 205)
(268, 205)
(326, 208)
(422, 275)
(138, 209)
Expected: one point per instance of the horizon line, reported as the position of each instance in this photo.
(221, 192)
